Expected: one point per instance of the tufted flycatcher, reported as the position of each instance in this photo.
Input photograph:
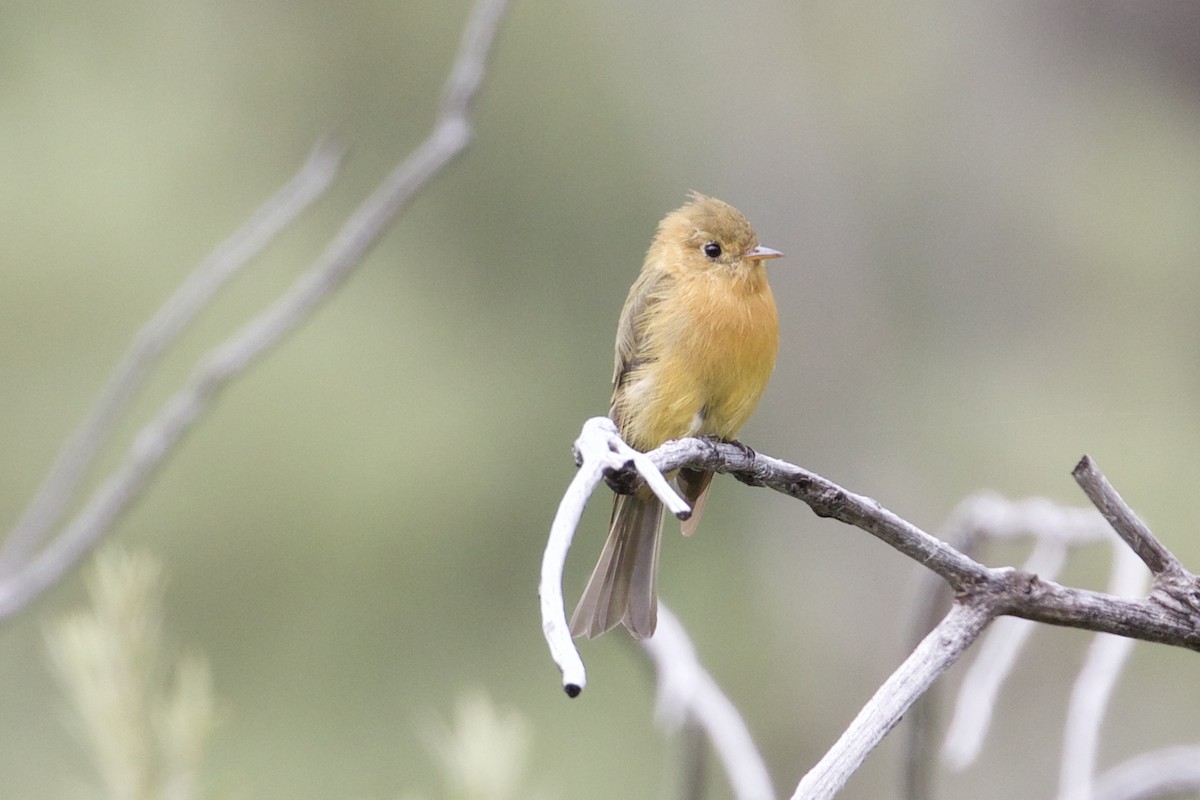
(696, 344)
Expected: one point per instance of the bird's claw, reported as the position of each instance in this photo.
(746, 450)
(747, 453)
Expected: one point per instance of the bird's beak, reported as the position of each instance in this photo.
(761, 253)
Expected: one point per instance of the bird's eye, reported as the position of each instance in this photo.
(712, 250)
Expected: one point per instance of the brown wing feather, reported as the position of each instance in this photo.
(645, 293)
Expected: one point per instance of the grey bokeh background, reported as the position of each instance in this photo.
(990, 214)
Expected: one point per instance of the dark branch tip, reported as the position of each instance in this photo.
(1085, 465)
(624, 480)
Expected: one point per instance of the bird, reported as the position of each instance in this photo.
(696, 344)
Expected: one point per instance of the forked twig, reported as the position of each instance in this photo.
(982, 593)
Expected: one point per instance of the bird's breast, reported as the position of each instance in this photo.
(707, 354)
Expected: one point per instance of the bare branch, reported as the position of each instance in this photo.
(1018, 593)
(451, 134)
(1125, 522)
(686, 692)
(964, 533)
(933, 656)
(994, 663)
(976, 520)
(826, 499)
(1094, 687)
(981, 593)
(149, 344)
(1054, 527)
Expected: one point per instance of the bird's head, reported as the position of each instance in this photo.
(708, 234)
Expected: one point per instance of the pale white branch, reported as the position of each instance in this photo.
(1162, 773)
(686, 692)
(1094, 686)
(993, 516)
(1054, 528)
(598, 449)
(993, 664)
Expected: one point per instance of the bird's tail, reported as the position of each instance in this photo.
(622, 586)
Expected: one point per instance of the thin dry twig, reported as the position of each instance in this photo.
(936, 653)
(450, 136)
(1176, 590)
(1124, 521)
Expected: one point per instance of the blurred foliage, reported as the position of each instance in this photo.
(484, 755)
(989, 212)
(144, 721)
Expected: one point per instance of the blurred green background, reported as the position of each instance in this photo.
(991, 215)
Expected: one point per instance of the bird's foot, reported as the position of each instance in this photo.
(747, 453)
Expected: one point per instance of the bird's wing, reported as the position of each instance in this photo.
(645, 293)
